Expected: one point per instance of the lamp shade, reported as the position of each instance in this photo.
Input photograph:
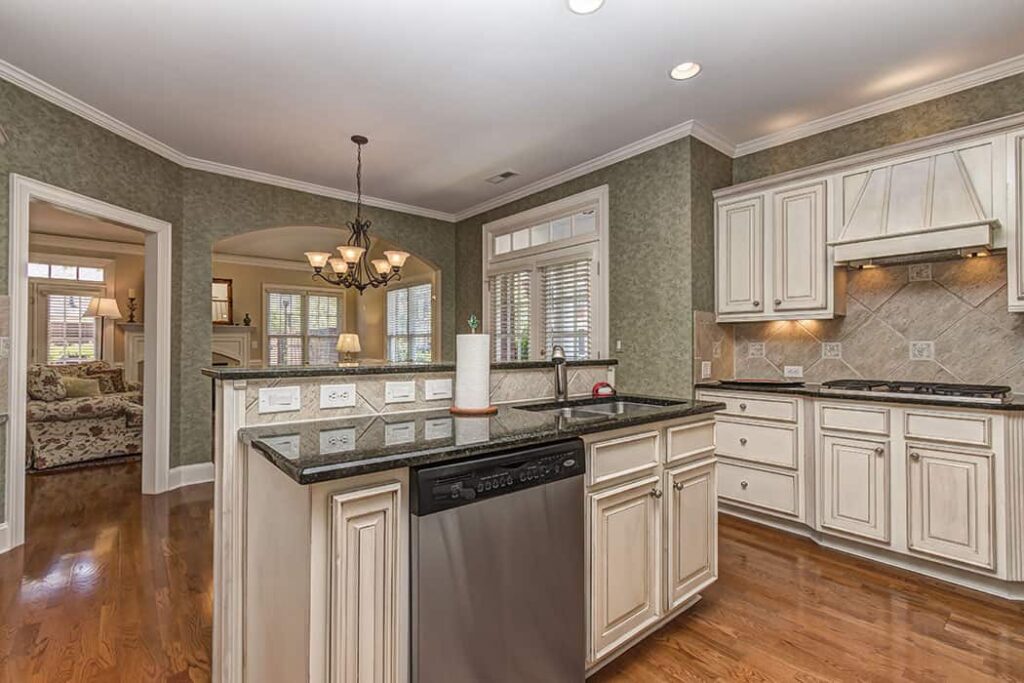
(348, 343)
(100, 307)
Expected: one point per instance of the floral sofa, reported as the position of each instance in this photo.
(65, 431)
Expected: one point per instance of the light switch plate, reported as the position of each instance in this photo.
(437, 428)
(793, 371)
(287, 445)
(399, 432)
(279, 400)
(400, 392)
(337, 396)
(705, 369)
(437, 389)
(338, 440)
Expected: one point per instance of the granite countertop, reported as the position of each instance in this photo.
(814, 391)
(323, 450)
(271, 372)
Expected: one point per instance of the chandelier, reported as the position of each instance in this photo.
(354, 268)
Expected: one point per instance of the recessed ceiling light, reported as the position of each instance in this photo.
(684, 71)
(585, 6)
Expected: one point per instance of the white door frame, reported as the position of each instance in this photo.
(157, 393)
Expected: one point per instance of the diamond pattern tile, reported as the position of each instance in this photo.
(973, 280)
(977, 349)
(874, 286)
(922, 310)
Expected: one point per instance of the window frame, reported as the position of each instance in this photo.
(267, 288)
(36, 285)
(594, 246)
(409, 284)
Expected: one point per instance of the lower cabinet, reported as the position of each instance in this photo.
(625, 562)
(950, 504)
(853, 491)
(692, 531)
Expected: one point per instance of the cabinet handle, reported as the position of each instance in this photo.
(744, 484)
(656, 493)
(778, 302)
(678, 486)
(757, 304)
(743, 406)
(879, 450)
(743, 441)
(914, 455)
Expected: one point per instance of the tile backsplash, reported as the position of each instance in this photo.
(941, 322)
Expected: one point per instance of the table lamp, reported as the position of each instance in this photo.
(348, 344)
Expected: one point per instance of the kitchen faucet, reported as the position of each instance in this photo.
(561, 373)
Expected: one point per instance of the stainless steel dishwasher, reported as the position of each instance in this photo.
(498, 568)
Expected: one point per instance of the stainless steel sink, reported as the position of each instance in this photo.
(586, 409)
(621, 408)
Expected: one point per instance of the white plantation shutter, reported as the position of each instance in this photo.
(70, 335)
(322, 329)
(567, 307)
(302, 327)
(410, 323)
(510, 315)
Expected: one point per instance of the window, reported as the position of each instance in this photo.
(543, 282)
(302, 326)
(410, 323)
(60, 271)
(70, 335)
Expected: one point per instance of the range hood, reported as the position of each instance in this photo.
(931, 207)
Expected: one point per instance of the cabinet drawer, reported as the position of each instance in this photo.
(756, 442)
(623, 457)
(854, 419)
(767, 489)
(766, 408)
(690, 441)
(952, 428)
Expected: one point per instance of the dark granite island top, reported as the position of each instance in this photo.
(288, 371)
(323, 450)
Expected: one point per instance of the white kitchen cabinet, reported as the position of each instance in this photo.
(625, 565)
(950, 504)
(799, 255)
(692, 531)
(1015, 222)
(739, 241)
(853, 487)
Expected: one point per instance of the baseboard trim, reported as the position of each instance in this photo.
(186, 475)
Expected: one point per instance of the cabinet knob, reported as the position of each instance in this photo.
(757, 304)
(744, 484)
(743, 406)
(678, 486)
(743, 441)
(879, 451)
(914, 455)
(778, 302)
(656, 493)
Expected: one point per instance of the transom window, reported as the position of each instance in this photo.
(61, 271)
(543, 280)
(301, 326)
(410, 323)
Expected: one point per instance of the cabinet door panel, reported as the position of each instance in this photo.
(950, 505)
(692, 514)
(799, 261)
(740, 248)
(854, 487)
(363, 585)
(625, 562)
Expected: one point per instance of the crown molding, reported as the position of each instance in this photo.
(662, 137)
(930, 91)
(54, 95)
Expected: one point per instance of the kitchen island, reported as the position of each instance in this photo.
(313, 520)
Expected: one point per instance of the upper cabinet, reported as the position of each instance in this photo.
(1015, 221)
(772, 254)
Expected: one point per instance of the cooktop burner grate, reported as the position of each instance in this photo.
(952, 392)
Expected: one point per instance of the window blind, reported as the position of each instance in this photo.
(70, 335)
(284, 328)
(410, 323)
(566, 304)
(510, 315)
(321, 329)
(302, 328)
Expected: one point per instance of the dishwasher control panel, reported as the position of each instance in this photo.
(440, 487)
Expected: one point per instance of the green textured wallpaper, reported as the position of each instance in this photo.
(981, 103)
(651, 221)
(50, 144)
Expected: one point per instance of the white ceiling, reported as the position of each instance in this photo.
(289, 243)
(453, 91)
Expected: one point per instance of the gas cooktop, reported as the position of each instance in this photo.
(954, 393)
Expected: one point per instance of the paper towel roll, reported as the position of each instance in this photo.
(472, 373)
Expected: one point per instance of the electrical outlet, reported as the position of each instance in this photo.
(437, 428)
(399, 433)
(337, 396)
(437, 389)
(279, 400)
(618, 344)
(705, 369)
(793, 371)
(400, 392)
(338, 440)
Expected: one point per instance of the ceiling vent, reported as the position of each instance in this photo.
(502, 177)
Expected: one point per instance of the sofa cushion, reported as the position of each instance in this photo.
(111, 379)
(79, 387)
(45, 383)
(77, 408)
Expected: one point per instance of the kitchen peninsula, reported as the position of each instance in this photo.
(317, 497)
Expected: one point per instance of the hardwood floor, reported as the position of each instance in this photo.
(112, 586)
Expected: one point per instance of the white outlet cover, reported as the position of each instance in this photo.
(337, 395)
(437, 428)
(400, 392)
(337, 440)
(279, 400)
(705, 369)
(793, 371)
(399, 433)
(437, 389)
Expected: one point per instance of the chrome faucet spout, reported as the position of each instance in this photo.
(561, 373)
